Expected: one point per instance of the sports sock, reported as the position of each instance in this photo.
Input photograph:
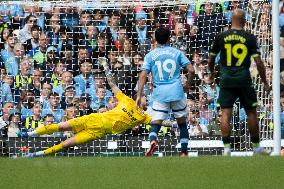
(53, 149)
(183, 137)
(48, 129)
(154, 129)
(227, 141)
(255, 141)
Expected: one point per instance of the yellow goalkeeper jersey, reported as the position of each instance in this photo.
(124, 116)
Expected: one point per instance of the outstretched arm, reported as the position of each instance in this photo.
(110, 79)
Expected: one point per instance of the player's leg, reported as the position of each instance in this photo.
(179, 109)
(75, 125)
(159, 113)
(80, 138)
(226, 100)
(249, 101)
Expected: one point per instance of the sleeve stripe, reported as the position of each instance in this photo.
(254, 55)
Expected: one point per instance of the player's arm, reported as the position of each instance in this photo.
(214, 50)
(261, 70)
(190, 72)
(110, 79)
(141, 82)
(259, 64)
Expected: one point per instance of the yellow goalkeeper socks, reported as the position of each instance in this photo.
(53, 149)
(48, 129)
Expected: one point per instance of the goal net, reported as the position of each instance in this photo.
(44, 45)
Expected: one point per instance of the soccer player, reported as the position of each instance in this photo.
(237, 47)
(96, 125)
(165, 64)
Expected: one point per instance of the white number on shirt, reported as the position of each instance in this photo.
(165, 67)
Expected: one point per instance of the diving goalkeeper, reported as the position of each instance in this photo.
(94, 126)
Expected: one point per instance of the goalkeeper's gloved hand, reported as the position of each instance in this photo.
(103, 61)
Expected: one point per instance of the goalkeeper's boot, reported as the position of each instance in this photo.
(22, 134)
(227, 151)
(261, 151)
(152, 148)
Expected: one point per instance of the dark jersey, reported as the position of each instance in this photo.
(236, 48)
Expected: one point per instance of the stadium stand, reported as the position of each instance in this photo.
(49, 52)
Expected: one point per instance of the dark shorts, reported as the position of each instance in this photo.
(246, 95)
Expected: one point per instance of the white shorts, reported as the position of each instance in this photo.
(161, 110)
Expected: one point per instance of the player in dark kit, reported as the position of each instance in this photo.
(237, 47)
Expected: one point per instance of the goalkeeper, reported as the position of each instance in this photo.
(94, 126)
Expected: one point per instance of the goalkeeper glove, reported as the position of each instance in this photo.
(103, 62)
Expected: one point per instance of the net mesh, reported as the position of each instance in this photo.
(55, 38)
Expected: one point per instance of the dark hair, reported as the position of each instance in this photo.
(114, 13)
(28, 17)
(162, 35)
(54, 94)
(85, 12)
(47, 115)
(36, 28)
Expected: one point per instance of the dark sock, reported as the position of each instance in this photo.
(183, 136)
(227, 141)
(254, 139)
(154, 129)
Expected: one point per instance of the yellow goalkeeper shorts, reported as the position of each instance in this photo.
(87, 128)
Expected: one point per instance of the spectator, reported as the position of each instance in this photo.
(4, 37)
(4, 119)
(101, 100)
(7, 52)
(14, 124)
(126, 52)
(24, 79)
(32, 44)
(66, 40)
(26, 103)
(102, 48)
(70, 18)
(121, 72)
(98, 21)
(12, 63)
(47, 67)
(209, 25)
(69, 98)
(179, 39)
(53, 108)
(67, 79)
(39, 53)
(195, 128)
(48, 119)
(85, 82)
(90, 39)
(46, 90)
(53, 31)
(141, 33)
(33, 121)
(85, 105)
(26, 32)
(37, 78)
(113, 27)
(5, 91)
(56, 76)
(70, 113)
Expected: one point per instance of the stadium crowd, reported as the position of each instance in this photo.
(50, 70)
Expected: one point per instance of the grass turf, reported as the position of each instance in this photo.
(140, 172)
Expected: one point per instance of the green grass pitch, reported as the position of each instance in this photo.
(140, 172)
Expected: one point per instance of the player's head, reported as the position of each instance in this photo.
(239, 18)
(162, 35)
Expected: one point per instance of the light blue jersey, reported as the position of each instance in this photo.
(165, 63)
